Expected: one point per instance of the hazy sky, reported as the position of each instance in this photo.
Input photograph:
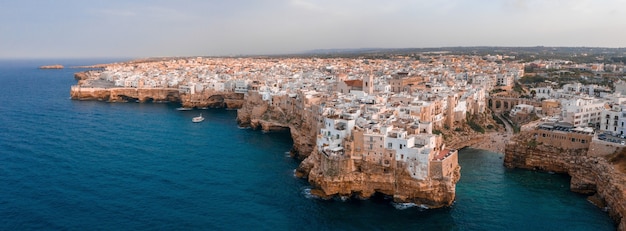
(143, 28)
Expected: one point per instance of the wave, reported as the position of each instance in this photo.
(403, 206)
(307, 194)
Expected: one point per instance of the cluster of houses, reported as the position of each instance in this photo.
(383, 112)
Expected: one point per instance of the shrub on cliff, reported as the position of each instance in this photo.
(476, 127)
(619, 160)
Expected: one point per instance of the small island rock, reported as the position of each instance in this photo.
(56, 66)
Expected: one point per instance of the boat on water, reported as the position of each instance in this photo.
(197, 119)
(184, 109)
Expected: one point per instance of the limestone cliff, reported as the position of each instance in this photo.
(591, 173)
(212, 99)
(434, 192)
(124, 94)
(261, 114)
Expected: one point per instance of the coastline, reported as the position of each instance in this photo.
(494, 141)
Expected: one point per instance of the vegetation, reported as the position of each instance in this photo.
(619, 160)
(475, 126)
(518, 88)
(437, 132)
(497, 119)
(496, 90)
(516, 128)
(527, 79)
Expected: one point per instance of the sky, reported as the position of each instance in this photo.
(157, 28)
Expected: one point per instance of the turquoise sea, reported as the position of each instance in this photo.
(83, 165)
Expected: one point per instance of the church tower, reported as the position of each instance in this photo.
(368, 84)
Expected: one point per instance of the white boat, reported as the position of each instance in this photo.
(184, 109)
(198, 119)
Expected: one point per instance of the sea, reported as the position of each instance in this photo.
(90, 165)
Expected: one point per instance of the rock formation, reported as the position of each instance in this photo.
(212, 99)
(259, 114)
(591, 173)
(433, 192)
(56, 66)
(125, 94)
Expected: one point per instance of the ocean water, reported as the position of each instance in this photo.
(83, 165)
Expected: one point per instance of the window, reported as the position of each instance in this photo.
(389, 145)
(371, 146)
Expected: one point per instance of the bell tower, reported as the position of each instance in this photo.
(368, 84)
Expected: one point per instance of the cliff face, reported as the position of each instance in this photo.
(124, 94)
(372, 178)
(259, 114)
(213, 99)
(591, 174)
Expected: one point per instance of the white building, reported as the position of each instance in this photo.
(333, 132)
(614, 120)
(582, 112)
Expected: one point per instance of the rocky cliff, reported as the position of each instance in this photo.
(591, 174)
(125, 94)
(259, 114)
(212, 99)
(371, 179)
